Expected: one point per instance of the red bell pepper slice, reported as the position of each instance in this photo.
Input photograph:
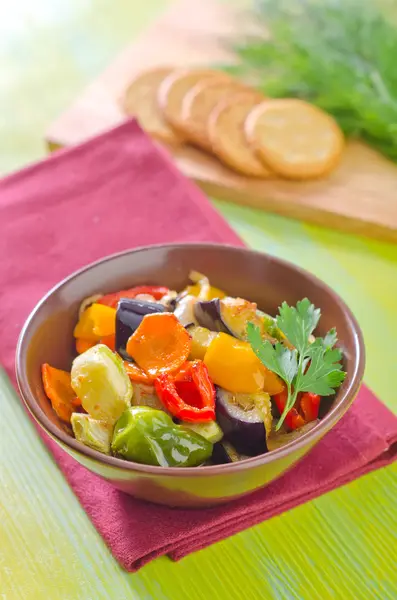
(293, 419)
(188, 395)
(153, 290)
(310, 405)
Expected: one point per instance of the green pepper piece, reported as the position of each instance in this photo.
(149, 436)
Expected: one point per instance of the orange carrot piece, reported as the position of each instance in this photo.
(137, 374)
(59, 390)
(82, 345)
(109, 341)
(160, 344)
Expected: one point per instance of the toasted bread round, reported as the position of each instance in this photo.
(173, 89)
(198, 105)
(294, 138)
(227, 136)
(140, 101)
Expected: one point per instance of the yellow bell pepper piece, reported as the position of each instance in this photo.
(233, 365)
(202, 289)
(96, 322)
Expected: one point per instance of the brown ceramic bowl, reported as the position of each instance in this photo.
(47, 337)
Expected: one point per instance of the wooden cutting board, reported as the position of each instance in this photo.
(360, 196)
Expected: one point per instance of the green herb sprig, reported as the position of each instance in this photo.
(322, 375)
(338, 54)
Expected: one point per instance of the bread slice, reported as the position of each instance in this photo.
(174, 88)
(227, 135)
(295, 139)
(140, 101)
(199, 104)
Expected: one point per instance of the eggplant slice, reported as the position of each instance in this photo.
(223, 453)
(245, 420)
(184, 310)
(231, 315)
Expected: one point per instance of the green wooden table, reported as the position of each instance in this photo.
(342, 545)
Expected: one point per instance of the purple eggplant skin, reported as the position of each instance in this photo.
(208, 315)
(223, 453)
(129, 315)
(230, 315)
(172, 304)
(245, 430)
(220, 455)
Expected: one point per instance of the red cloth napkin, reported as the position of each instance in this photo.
(115, 192)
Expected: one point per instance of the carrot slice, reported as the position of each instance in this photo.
(137, 374)
(82, 345)
(59, 390)
(160, 344)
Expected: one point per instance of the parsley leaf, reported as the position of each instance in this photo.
(298, 323)
(330, 339)
(308, 367)
(324, 372)
(278, 358)
(325, 343)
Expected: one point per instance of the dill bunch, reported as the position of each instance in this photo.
(338, 54)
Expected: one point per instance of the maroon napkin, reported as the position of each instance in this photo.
(116, 192)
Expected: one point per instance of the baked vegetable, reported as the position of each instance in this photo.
(202, 288)
(231, 315)
(245, 420)
(129, 316)
(210, 431)
(218, 366)
(58, 388)
(233, 365)
(160, 344)
(149, 436)
(224, 453)
(156, 292)
(145, 395)
(201, 339)
(91, 432)
(97, 321)
(184, 310)
(188, 395)
(99, 379)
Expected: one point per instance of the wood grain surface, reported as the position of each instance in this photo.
(359, 196)
(338, 547)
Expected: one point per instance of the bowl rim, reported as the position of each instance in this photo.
(326, 423)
